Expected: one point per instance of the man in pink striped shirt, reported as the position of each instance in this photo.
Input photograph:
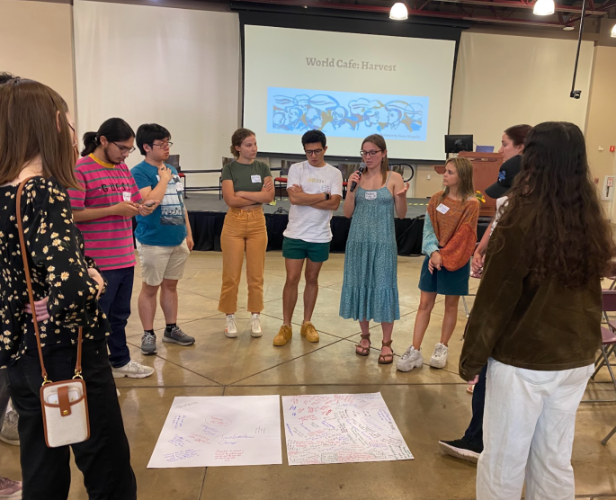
(104, 213)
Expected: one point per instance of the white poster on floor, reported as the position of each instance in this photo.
(341, 428)
(220, 431)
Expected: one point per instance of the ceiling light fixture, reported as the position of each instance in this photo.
(613, 35)
(543, 7)
(398, 12)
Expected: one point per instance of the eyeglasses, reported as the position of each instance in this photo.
(369, 153)
(74, 135)
(313, 152)
(124, 149)
(164, 145)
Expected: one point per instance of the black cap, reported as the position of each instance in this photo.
(506, 174)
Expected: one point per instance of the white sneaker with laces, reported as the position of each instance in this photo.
(439, 357)
(132, 370)
(412, 358)
(231, 327)
(255, 326)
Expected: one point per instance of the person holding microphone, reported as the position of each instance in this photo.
(370, 288)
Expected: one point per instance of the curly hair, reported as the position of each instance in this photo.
(237, 138)
(571, 240)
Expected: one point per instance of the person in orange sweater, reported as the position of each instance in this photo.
(449, 239)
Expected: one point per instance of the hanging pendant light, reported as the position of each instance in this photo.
(398, 12)
(543, 7)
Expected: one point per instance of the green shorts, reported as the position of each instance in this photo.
(300, 249)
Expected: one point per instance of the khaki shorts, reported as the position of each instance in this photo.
(158, 263)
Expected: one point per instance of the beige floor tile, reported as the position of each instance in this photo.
(427, 404)
(338, 364)
(225, 360)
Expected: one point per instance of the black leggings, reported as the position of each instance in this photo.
(104, 459)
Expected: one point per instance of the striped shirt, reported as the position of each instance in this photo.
(109, 240)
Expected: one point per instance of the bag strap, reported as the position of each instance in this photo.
(24, 256)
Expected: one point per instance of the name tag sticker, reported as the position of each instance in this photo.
(126, 196)
(442, 209)
(325, 188)
(179, 187)
(370, 195)
(255, 178)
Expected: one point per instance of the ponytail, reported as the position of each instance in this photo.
(114, 130)
(90, 143)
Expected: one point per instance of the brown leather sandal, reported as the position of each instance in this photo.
(383, 357)
(360, 349)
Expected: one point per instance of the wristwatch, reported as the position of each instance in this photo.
(327, 196)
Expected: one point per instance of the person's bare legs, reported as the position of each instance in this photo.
(422, 320)
(451, 318)
(147, 305)
(169, 300)
(289, 293)
(311, 290)
(387, 330)
(365, 330)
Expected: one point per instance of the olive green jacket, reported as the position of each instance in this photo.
(537, 327)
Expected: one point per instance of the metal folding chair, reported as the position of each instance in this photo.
(608, 344)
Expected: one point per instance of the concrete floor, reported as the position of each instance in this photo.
(427, 404)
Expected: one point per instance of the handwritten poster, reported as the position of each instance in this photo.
(220, 431)
(341, 428)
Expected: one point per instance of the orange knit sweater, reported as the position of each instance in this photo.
(456, 230)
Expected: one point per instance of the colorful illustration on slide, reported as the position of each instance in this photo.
(346, 114)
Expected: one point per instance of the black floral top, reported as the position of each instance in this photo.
(58, 268)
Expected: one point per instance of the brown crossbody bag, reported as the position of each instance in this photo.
(64, 403)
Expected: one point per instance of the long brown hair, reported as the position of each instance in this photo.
(464, 167)
(379, 141)
(29, 116)
(237, 138)
(570, 239)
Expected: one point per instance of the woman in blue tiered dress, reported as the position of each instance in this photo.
(370, 290)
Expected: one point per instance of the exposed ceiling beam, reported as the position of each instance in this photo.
(421, 13)
(517, 4)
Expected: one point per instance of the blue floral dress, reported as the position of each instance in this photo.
(370, 289)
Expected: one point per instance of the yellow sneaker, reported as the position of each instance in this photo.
(310, 332)
(284, 335)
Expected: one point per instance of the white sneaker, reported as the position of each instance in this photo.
(255, 326)
(132, 370)
(439, 357)
(409, 360)
(231, 327)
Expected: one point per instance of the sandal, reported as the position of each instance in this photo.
(383, 357)
(360, 349)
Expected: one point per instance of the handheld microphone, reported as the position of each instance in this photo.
(362, 169)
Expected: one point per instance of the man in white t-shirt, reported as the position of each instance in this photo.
(315, 191)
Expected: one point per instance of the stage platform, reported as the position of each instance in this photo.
(207, 212)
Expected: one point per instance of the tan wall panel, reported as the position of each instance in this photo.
(601, 128)
(36, 42)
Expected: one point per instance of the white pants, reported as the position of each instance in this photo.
(528, 429)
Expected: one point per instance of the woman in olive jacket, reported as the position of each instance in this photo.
(537, 318)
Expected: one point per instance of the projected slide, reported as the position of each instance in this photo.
(349, 85)
(346, 114)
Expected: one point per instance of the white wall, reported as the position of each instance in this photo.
(506, 80)
(36, 43)
(179, 68)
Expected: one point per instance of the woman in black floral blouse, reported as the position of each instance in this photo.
(37, 140)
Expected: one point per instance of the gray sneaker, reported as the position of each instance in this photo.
(177, 336)
(9, 433)
(148, 344)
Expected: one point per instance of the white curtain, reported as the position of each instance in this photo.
(175, 67)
